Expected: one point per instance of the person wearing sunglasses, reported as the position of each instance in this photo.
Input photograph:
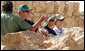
(59, 30)
(24, 13)
(49, 24)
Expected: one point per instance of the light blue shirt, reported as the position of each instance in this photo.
(57, 31)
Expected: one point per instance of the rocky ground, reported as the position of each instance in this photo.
(73, 39)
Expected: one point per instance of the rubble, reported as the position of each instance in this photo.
(67, 42)
(22, 41)
(72, 39)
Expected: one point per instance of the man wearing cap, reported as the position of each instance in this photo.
(59, 30)
(11, 23)
(24, 13)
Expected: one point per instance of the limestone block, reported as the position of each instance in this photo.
(76, 9)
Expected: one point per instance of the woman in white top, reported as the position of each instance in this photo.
(58, 27)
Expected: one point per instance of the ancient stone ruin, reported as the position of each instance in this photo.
(72, 39)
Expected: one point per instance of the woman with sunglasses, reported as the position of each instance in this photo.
(49, 24)
(58, 26)
(53, 26)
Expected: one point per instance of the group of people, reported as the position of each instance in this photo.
(11, 23)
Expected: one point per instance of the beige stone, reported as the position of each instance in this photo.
(80, 41)
(28, 40)
(50, 7)
(39, 6)
(22, 40)
(67, 42)
(69, 9)
(73, 21)
(61, 7)
(36, 17)
(76, 9)
(82, 14)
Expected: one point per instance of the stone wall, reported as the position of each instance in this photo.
(73, 39)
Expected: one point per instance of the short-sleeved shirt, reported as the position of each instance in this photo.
(31, 23)
(57, 31)
(12, 23)
(50, 31)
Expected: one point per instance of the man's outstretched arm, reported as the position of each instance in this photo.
(33, 28)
